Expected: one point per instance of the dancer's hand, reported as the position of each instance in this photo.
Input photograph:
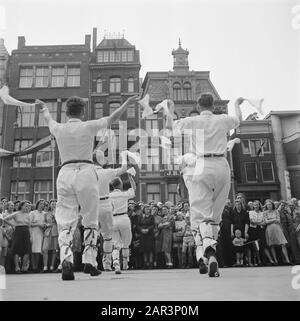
(240, 100)
(40, 103)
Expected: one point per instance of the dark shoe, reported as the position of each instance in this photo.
(18, 272)
(202, 267)
(87, 268)
(118, 272)
(213, 267)
(93, 270)
(67, 271)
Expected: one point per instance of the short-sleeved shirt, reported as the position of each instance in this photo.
(214, 127)
(75, 138)
(105, 177)
(119, 200)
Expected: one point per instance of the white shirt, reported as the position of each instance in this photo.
(119, 200)
(75, 138)
(105, 177)
(214, 128)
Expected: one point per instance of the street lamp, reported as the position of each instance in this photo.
(19, 111)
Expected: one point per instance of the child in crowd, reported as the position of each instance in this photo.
(238, 244)
(188, 244)
(179, 228)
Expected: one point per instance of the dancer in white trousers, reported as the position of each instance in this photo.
(105, 215)
(121, 223)
(208, 179)
(77, 181)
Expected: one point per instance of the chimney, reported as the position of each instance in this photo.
(94, 38)
(88, 41)
(21, 42)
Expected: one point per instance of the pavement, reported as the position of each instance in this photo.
(257, 283)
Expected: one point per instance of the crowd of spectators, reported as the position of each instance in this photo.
(250, 234)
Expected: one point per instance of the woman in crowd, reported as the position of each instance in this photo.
(179, 228)
(226, 246)
(21, 246)
(146, 226)
(166, 229)
(156, 212)
(50, 243)
(274, 233)
(38, 224)
(296, 218)
(188, 244)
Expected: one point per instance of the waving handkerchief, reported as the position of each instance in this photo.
(131, 171)
(8, 100)
(231, 143)
(136, 158)
(165, 142)
(257, 104)
(145, 104)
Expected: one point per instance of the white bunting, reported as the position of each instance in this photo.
(147, 110)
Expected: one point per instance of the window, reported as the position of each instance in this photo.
(187, 91)
(130, 85)
(131, 111)
(267, 171)
(28, 114)
(152, 125)
(153, 159)
(153, 192)
(251, 172)
(118, 56)
(73, 77)
(256, 147)
(112, 56)
(42, 190)
(124, 55)
(105, 56)
(100, 56)
(52, 106)
(23, 190)
(115, 85)
(44, 157)
(99, 86)
(25, 160)
(41, 77)
(58, 77)
(98, 110)
(172, 193)
(177, 91)
(26, 77)
(130, 55)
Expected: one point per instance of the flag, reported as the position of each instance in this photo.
(7, 99)
(256, 103)
(231, 144)
(145, 104)
(260, 149)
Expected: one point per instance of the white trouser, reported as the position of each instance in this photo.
(208, 191)
(106, 229)
(77, 184)
(121, 237)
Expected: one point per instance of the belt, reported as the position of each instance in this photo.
(77, 161)
(213, 155)
(103, 198)
(117, 214)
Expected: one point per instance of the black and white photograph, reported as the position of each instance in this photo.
(149, 152)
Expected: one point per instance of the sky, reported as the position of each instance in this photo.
(251, 48)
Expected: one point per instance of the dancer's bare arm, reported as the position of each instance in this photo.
(237, 106)
(118, 113)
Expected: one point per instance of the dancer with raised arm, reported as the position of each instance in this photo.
(208, 179)
(77, 181)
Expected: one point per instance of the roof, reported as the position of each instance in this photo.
(114, 43)
(283, 113)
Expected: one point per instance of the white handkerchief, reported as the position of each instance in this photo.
(165, 142)
(131, 171)
(256, 103)
(231, 143)
(136, 157)
(145, 104)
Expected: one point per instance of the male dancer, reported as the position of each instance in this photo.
(77, 181)
(208, 180)
(121, 223)
(105, 206)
